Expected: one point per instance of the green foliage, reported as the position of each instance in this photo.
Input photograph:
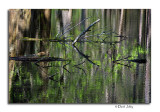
(97, 62)
(112, 79)
(38, 80)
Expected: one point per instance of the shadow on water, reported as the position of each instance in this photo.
(79, 56)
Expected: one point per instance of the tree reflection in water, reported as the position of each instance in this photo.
(98, 56)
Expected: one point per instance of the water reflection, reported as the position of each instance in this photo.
(110, 63)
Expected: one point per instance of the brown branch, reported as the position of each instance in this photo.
(37, 59)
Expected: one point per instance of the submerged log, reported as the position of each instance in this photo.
(133, 60)
(138, 60)
(37, 59)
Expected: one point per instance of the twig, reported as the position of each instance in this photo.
(66, 68)
(67, 26)
(85, 31)
(74, 26)
(85, 56)
(96, 69)
(124, 65)
(64, 28)
(79, 63)
(81, 69)
(121, 59)
(36, 63)
(99, 29)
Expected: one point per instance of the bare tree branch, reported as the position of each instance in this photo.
(85, 56)
(79, 63)
(74, 26)
(64, 28)
(85, 31)
(64, 67)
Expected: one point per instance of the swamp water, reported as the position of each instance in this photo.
(109, 64)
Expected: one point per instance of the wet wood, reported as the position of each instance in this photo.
(37, 59)
(133, 60)
(138, 60)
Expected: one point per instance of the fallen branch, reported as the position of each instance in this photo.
(85, 31)
(36, 59)
(131, 60)
(85, 56)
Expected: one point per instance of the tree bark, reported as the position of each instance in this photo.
(36, 59)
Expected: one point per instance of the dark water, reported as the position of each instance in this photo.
(111, 64)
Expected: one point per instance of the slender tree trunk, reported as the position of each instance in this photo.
(149, 29)
(121, 22)
(148, 64)
(140, 26)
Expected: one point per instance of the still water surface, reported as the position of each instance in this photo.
(98, 70)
